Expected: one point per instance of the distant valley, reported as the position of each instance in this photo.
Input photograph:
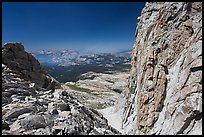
(68, 65)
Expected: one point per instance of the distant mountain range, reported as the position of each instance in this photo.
(72, 57)
(68, 65)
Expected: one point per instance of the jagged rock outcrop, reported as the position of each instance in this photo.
(27, 110)
(165, 85)
(16, 58)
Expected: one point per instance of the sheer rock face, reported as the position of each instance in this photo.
(16, 58)
(165, 84)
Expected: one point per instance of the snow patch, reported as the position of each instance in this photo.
(114, 118)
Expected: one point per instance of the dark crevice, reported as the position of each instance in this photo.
(158, 50)
(197, 115)
(188, 7)
(46, 83)
(188, 120)
(200, 81)
(194, 69)
(165, 69)
(171, 18)
(150, 78)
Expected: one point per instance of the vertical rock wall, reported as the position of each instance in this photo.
(165, 85)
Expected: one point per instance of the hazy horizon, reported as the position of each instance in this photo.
(82, 26)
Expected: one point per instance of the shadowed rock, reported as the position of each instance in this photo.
(16, 58)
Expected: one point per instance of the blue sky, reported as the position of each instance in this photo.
(87, 26)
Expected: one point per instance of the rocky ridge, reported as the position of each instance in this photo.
(31, 110)
(165, 84)
(26, 66)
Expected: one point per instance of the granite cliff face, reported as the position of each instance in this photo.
(165, 84)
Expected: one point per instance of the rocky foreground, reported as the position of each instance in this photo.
(33, 108)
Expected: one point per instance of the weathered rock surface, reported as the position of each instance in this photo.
(99, 90)
(105, 82)
(16, 58)
(165, 85)
(27, 110)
